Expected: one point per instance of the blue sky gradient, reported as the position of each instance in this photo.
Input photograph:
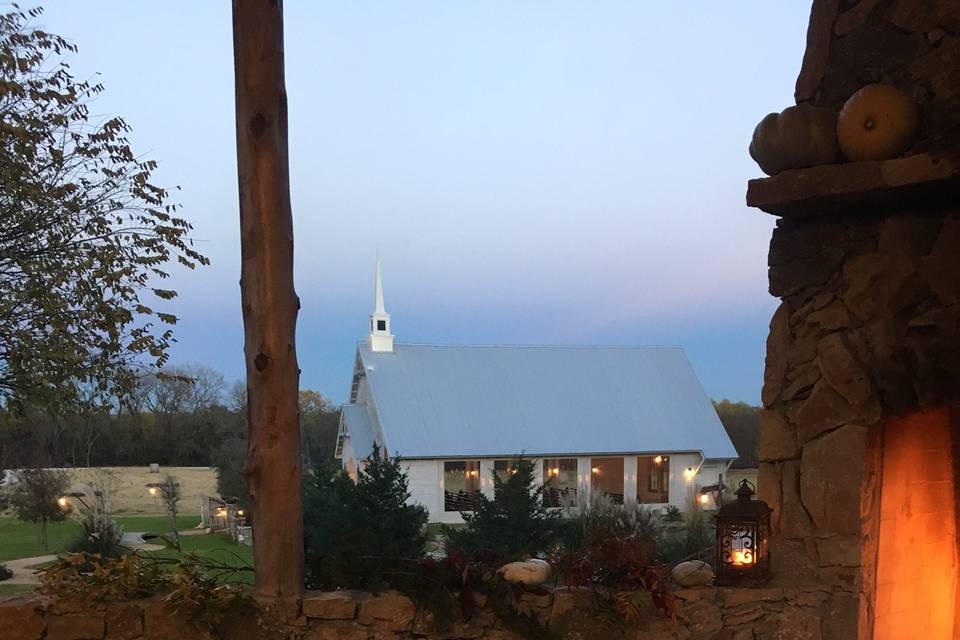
(532, 172)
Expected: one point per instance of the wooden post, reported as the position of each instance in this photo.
(270, 303)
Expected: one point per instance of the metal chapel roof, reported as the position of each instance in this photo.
(457, 401)
(361, 431)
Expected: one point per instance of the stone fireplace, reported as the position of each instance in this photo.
(860, 431)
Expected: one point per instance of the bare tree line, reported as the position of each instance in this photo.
(182, 416)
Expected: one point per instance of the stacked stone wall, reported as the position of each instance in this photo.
(701, 614)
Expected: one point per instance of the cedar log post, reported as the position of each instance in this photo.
(270, 303)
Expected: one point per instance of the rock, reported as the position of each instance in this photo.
(540, 600)
(799, 381)
(841, 618)
(908, 235)
(793, 516)
(819, 37)
(425, 624)
(567, 617)
(743, 614)
(824, 409)
(703, 619)
(778, 440)
(692, 573)
(923, 16)
(124, 622)
(875, 284)
(391, 611)
(853, 17)
(160, 622)
(808, 597)
(333, 605)
(695, 593)
(830, 476)
(737, 596)
(531, 573)
(796, 624)
(778, 341)
(76, 626)
(790, 563)
(21, 619)
(846, 376)
(943, 263)
(830, 318)
(839, 550)
(788, 278)
(338, 630)
(768, 489)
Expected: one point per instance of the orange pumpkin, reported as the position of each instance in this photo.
(878, 122)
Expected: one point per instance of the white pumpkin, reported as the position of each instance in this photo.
(692, 573)
(798, 137)
(531, 573)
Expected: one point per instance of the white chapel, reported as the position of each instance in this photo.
(632, 423)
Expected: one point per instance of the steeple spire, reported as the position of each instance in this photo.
(378, 303)
(381, 340)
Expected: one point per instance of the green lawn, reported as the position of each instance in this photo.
(14, 589)
(20, 539)
(216, 547)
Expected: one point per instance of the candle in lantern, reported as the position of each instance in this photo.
(741, 557)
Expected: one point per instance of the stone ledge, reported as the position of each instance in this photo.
(835, 188)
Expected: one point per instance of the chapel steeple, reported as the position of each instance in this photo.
(381, 340)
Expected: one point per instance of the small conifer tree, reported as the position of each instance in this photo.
(358, 534)
(516, 523)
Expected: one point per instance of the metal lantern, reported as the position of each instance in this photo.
(743, 533)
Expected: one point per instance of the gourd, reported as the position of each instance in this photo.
(878, 122)
(797, 137)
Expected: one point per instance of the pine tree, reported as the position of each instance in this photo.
(357, 534)
(512, 525)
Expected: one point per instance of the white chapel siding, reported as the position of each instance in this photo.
(424, 478)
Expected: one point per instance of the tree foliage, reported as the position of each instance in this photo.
(34, 496)
(742, 422)
(514, 524)
(356, 534)
(85, 236)
(159, 424)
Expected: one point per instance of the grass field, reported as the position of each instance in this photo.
(129, 494)
(215, 547)
(20, 539)
(14, 589)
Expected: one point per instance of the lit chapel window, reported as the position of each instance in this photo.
(653, 479)
(560, 482)
(461, 484)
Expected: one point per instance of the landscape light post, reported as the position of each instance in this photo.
(169, 492)
(268, 300)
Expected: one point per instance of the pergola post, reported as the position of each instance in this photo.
(270, 303)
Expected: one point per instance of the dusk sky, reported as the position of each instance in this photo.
(532, 172)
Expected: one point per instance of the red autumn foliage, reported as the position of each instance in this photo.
(618, 563)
